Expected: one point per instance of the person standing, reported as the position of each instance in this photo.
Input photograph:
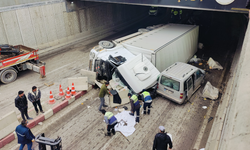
(135, 106)
(162, 140)
(34, 96)
(147, 101)
(24, 135)
(102, 93)
(110, 120)
(22, 104)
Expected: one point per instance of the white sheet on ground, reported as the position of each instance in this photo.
(130, 120)
(210, 91)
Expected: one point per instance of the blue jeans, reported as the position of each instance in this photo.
(102, 102)
(29, 146)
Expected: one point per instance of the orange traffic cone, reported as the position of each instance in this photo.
(51, 98)
(68, 94)
(73, 91)
(60, 91)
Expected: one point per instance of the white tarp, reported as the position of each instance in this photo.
(214, 64)
(128, 129)
(210, 91)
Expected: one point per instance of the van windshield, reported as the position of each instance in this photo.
(170, 83)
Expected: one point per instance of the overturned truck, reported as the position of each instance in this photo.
(135, 61)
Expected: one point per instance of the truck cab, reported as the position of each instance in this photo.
(180, 81)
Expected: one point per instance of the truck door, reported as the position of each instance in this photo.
(190, 87)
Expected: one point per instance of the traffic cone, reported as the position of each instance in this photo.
(68, 94)
(51, 98)
(61, 91)
(73, 91)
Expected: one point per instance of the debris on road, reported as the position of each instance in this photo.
(211, 118)
(87, 106)
(194, 59)
(210, 91)
(214, 64)
(49, 84)
(40, 123)
(204, 107)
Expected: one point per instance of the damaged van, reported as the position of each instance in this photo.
(180, 81)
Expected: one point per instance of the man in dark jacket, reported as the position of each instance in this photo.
(34, 96)
(135, 106)
(24, 135)
(162, 140)
(22, 104)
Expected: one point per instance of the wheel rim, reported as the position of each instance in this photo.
(8, 76)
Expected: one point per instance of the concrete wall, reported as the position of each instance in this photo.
(6, 3)
(48, 25)
(231, 126)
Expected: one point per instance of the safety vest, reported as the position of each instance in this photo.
(110, 117)
(175, 12)
(135, 99)
(146, 96)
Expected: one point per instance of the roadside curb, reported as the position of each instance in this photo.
(11, 137)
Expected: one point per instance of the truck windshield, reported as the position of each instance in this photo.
(170, 83)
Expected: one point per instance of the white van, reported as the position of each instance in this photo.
(179, 81)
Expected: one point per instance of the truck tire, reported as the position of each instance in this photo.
(8, 76)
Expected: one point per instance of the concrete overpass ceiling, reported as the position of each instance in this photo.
(213, 5)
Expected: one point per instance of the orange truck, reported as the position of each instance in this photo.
(14, 59)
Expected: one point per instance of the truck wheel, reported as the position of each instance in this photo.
(8, 76)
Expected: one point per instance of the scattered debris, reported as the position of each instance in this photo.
(87, 106)
(205, 99)
(121, 110)
(214, 64)
(211, 118)
(40, 123)
(202, 149)
(210, 91)
(200, 45)
(115, 109)
(194, 59)
(200, 64)
(204, 107)
(125, 107)
(81, 103)
(49, 84)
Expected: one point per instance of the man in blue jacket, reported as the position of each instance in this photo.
(110, 120)
(24, 135)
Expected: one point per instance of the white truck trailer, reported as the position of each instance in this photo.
(164, 45)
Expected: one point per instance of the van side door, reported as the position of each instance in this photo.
(189, 87)
(199, 76)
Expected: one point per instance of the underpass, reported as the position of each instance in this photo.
(219, 33)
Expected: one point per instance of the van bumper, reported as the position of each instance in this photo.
(170, 98)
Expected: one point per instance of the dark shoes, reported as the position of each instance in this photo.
(132, 114)
(42, 111)
(105, 105)
(107, 134)
(37, 113)
(29, 118)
